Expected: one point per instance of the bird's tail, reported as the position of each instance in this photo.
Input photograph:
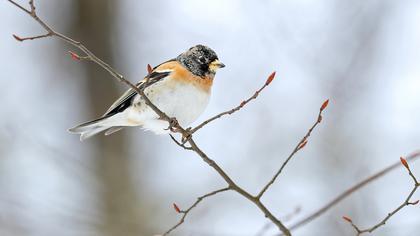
(91, 128)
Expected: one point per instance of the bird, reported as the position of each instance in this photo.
(181, 89)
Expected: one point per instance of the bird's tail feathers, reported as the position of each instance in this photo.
(91, 128)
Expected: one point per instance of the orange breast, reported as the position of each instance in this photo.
(183, 75)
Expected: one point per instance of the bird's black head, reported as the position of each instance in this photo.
(200, 60)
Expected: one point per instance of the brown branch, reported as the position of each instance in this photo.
(392, 213)
(175, 126)
(298, 147)
(179, 143)
(31, 38)
(21, 7)
(185, 212)
(239, 107)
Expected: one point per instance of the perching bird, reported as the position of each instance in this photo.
(182, 91)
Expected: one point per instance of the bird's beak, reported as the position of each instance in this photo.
(214, 65)
(218, 64)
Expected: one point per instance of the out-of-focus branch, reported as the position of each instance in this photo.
(185, 212)
(239, 107)
(186, 134)
(406, 202)
(411, 157)
(298, 147)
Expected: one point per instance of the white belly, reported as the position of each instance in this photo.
(185, 102)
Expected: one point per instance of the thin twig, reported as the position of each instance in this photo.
(298, 147)
(179, 144)
(239, 107)
(31, 3)
(162, 115)
(185, 212)
(31, 38)
(19, 6)
(405, 203)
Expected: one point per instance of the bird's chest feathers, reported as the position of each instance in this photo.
(179, 99)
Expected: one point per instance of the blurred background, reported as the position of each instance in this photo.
(363, 55)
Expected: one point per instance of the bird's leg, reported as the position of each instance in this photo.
(173, 123)
(174, 127)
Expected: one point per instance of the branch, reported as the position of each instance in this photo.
(31, 38)
(185, 212)
(285, 218)
(172, 121)
(179, 143)
(239, 107)
(298, 147)
(392, 213)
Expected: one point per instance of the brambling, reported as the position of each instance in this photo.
(181, 89)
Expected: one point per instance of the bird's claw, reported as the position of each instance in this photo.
(174, 127)
(173, 123)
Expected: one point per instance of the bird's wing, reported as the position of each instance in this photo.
(127, 98)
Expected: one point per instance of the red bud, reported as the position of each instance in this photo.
(74, 56)
(302, 144)
(17, 38)
(149, 68)
(270, 78)
(347, 219)
(415, 202)
(404, 162)
(177, 208)
(242, 104)
(325, 104)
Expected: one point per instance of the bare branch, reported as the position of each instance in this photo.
(239, 107)
(31, 3)
(298, 147)
(19, 6)
(185, 212)
(392, 213)
(179, 144)
(20, 39)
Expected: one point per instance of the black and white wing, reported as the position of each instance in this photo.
(127, 98)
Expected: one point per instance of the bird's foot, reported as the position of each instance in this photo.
(173, 125)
